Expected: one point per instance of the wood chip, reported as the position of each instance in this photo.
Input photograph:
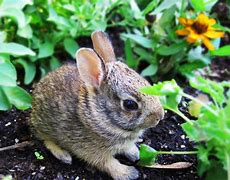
(177, 165)
(17, 146)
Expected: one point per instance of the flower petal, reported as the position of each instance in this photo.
(202, 18)
(211, 22)
(195, 36)
(214, 34)
(208, 44)
(190, 40)
(186, 22)
(183, 21)
(182, 32)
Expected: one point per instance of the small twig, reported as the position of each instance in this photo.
(177, 165)
(16, 146)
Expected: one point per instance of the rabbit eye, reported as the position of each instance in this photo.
(130, 105)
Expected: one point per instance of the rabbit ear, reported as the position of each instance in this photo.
(90, 67)
(103, 46)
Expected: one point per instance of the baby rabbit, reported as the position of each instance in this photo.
(94, 110)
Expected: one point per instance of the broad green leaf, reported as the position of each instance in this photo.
(4, 102)
(30, 70)
(199, 6)
(59, 20)
(16, 14)
(209, 4)
(7, 73)
(145, 55)
(167, 17)
(25, 32)
(141, 40)
(130, 60)
(46, 50)
(18, 4)
(18, 97)
(221, 28)
(223, 51)
(54, 63)
(71, 46)
(15, 49)
(164, 5)
(150, 7)
(188, 68)
(135, 9)
(172, 49)
(150, 70)
(162, 88)
(197, 54)
(147, 155)
(3, 36)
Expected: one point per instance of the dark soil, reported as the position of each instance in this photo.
(168, 135)
(23, 164)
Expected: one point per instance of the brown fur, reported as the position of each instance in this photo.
(89, 122)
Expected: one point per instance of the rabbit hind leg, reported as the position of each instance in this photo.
(58, 152)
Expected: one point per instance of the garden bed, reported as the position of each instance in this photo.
(22, 163)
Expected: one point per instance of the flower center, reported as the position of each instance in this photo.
(199, 28)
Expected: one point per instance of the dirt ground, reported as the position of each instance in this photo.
(168, 135)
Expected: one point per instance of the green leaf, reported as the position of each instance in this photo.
(16, 14)
(38, 155)
(164, 5)
(25, 32)
(3, 36)
(199, 6)
(188, 68)
(46, 50)
(223, 51)
(168, 17)
(162, 88)
(59, 20)
(130, 60)
(54, 63)
(4, 102)
(172, 49)
(147, 155)
(150, 7)
(30, 70)
(18, 97)
(150, 70)
(197, 54)
(147, 43)
(71, 46)
(15, 49)
(7, 73)
(19, 4)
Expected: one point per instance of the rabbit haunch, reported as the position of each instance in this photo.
(78, 110)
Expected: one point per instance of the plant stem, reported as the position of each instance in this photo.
(228, 163)
(177, 152)
(200, 102)
(181, 115)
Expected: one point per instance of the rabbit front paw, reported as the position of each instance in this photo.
(59, 153)
(120, 171)
(130, 173)
(132, 153)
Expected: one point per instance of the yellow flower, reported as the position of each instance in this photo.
(200, 29)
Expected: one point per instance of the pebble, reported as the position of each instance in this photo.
(77, 178)
(16, 140)
(42, 168)
(33, 173)
(182, 146)
(7, 124)
(183, 136)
